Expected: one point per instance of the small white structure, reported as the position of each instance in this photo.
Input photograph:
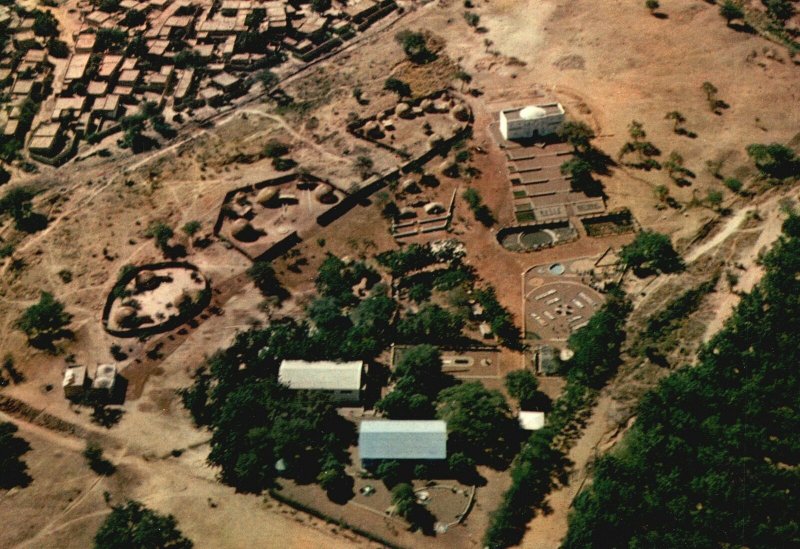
(343, 381)
(525, 122)
(105, 379)
(531, 421)
(75, 381)
(401, 439)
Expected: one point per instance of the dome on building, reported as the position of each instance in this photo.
(532, 112)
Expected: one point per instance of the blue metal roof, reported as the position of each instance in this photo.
(402, 439)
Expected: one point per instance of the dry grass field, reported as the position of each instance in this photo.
(608, 62)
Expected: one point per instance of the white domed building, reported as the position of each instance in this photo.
(525, 122)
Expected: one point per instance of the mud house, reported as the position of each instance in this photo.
(75, 382)
(343, 381)
(105, 380)
(414, 440)
(525, 122)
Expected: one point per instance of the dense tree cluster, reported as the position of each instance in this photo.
(479, 422)
(418, 379)
(597, 345)
(712, 458)
(134, 526)
(541, 464)
(499, 317)
(13, 471)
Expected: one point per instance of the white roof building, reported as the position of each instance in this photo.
(402, 439)
(525, 122)
(343, 380)
(531, 421)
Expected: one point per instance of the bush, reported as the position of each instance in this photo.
(275, 148)
(774, 160)
(733, 184)
(45, 321)
(397, 86)
(97, 463)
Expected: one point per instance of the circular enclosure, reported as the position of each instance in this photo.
(172, 293)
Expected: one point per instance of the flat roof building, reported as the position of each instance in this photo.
(343, 381)
(75, 382)
(531, 421)
(402, 440)
(525, 122)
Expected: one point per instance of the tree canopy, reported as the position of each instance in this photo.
(13, 471)
(712, 458)
(774, 160)
(651, 251)
(479, 422)
(44, 321)
(134, 526)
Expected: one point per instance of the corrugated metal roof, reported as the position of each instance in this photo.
(402, 439)
(322, 375)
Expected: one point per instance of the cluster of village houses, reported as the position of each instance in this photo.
(101, 85)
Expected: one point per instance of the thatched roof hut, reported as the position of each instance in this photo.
(124, 315)
(241, 228)
(266, 195)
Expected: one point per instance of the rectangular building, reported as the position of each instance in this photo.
(343, 381)
(525, 122)
(418, 440)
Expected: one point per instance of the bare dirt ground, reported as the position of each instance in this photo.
(607, 62)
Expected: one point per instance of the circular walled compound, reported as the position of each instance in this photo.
(155, 298)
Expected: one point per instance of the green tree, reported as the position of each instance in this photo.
(94, 458)
(472, 19)
(419, 379)
(44, 24)
(733, 184)
(677, 119)
(415, 46)
(714, 199)
(320, 6)
(263, 276)
(651, 251)
(133, 18)
(523, 386)
(652, 5)
(479, 422)
(774, 160)
(57, 48)
(13, 471)
(580, 172)
(577, 134)
(780, 10)
(135, 526)
(275, 149)
(268, 79)
(731, 10)
(161, 233)
(432, 324)
(397, 86)
(17, 203)
(597, 345)
(44, 321)
(190, 228)
(389, 472)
